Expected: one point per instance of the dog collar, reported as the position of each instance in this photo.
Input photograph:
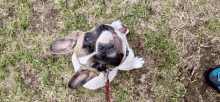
(107, 84)
(127, 53)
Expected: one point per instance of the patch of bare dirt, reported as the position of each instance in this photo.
(144, 76)
(29, 78)
(45, 16)
(7, 11)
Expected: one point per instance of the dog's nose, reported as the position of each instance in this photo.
(104, 47)
(105, 50)
(108, 54)
(111, 53)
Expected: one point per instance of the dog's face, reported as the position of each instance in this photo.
(101, 48)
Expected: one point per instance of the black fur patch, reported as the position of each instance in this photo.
(91, 37)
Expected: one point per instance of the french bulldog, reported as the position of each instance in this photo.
(103, 47)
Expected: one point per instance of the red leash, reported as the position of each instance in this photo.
(107, 85)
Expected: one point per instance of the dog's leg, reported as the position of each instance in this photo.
(131, 62)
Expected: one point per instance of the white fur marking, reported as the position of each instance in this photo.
(75, 62)
(105, 35)
(84, 59)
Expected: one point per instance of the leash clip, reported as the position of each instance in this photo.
(106, 72)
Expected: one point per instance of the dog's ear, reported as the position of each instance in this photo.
(65, 44)
(80, 78)
(120, 27)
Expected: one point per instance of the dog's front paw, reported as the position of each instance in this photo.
(138, 62)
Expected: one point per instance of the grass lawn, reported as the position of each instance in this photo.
(178, 39)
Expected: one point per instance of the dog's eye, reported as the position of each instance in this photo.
(101, 47)
(88, 38)
(101, 67)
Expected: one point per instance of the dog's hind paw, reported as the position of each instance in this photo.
(138, 62)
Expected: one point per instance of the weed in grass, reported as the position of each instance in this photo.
(68, 26)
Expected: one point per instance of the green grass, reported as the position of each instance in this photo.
(160, 44)
(25, 54)
(139, 10)
(73, 20)
(22, 18)
(212, 25)
(123, 96)
(20, 86)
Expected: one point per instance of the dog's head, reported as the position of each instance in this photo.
(101, 48)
